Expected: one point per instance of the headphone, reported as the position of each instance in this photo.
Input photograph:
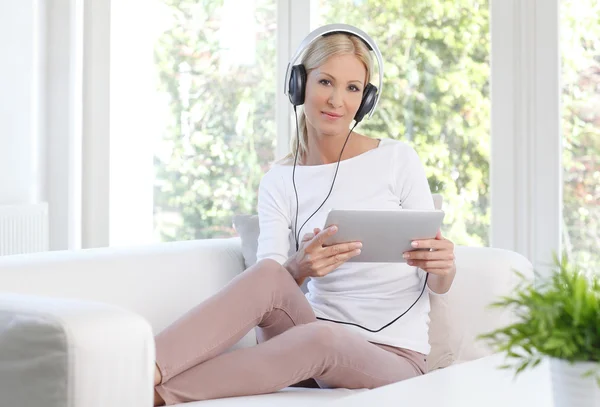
(295, 75)
(295, 88)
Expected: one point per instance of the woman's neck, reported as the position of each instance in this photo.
(325, 149)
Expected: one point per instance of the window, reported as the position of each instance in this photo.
(580, 51)
(435, 95)
(216, 63)
(196, 118)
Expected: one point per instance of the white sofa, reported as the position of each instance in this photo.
(76, 328)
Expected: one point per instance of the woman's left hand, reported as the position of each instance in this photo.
(438, 261)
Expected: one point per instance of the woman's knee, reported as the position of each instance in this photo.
(324, 336)
(271, 274)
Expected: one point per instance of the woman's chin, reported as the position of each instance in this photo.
(333, 129)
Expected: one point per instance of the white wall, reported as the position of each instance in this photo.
(63, 44)
(55, 119)
(96, 124)
(21, 93)
(40, 100)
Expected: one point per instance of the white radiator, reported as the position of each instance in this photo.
(23, 229)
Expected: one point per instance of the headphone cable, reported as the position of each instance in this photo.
(297, 232)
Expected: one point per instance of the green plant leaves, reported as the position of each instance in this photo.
(557, 317)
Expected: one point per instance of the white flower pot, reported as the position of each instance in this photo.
(569, 388)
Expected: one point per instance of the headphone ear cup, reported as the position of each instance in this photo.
(367, 102)
(297, 85)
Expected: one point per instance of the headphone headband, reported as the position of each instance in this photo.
(337, 28)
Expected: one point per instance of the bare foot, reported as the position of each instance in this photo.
(158, 401)
(157, 375)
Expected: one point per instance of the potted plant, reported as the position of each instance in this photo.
(557, 318)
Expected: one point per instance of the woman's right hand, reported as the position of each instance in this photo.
(315, 260)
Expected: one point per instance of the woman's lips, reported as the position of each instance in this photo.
(332, 116)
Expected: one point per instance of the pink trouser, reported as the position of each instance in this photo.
(196, 363)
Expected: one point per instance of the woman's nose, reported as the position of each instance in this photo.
(335, 99)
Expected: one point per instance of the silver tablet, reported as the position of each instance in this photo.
(385, 234)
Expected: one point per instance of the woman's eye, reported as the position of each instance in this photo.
(324, 82)
(354, 88)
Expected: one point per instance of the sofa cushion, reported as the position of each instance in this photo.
(440, 356)
(247, 227)
(440, 329)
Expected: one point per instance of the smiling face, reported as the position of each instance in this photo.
(333, 94)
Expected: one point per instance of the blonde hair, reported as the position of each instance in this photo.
(316, 55)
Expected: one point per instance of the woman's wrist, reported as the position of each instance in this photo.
(290, 266)
(441, 284)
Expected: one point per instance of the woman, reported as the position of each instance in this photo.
(294, 345)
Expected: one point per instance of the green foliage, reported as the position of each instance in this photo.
(221, 136)
(558, 316)
(435, 96)
(222, 133)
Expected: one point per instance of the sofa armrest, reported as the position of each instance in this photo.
(483, 276)
(159, 282)
(67, 352)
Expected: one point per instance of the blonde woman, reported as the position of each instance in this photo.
(339, 334)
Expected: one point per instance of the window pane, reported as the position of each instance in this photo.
(435, 95)
(216, 62)
(580, 51)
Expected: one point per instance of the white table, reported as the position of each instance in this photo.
(477, 383)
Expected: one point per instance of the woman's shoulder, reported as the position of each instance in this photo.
(286, 161)
(400, 150)
(275, 173)
(399, 145)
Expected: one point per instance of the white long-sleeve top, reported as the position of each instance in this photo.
(390, 176)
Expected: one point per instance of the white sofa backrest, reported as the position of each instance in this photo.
(161, 282)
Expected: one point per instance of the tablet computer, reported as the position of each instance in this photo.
(385, 234)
